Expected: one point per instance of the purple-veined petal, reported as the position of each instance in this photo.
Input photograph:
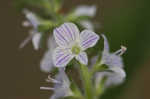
(88, 39)
(82, 58)
(106, 44)
(66, 34)
(61, 57)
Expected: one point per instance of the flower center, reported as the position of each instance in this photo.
(75, 49)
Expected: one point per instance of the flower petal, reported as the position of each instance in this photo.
(61, 89)
(51, 44)
(36, 40)
(61, 57)
(82, 58)
(87, 24)
(88, 39)
(112, 60)
(46, 64)
(63, 78)
(116, 77)
(85, 11)
(32, 18)
(106, 44)
(66, 34)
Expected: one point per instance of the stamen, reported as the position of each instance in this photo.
(49, 79)
(25, 41)
(46, 88)
(26, 23)
(76, 49)
(121, 51)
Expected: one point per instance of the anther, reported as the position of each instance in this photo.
(46, 88)
(49, 79)
(121, 51)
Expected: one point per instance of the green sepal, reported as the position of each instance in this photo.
(99, 68)
(100, 87)
(75, 90)
(73, 18)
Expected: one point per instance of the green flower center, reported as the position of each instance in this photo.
(76, 49)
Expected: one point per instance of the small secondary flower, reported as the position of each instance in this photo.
(62, 89)
(72, 44)
(116, 73)
(112, 59)
(34, 35)
(61, 85)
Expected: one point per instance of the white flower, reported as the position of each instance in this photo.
(85, 11)
(72, 44)
(116, 73)
(34, 35)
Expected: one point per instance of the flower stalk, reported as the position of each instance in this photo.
(87, 82)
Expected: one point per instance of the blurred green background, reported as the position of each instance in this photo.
(125, 22)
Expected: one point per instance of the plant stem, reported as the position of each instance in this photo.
(87, 82)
